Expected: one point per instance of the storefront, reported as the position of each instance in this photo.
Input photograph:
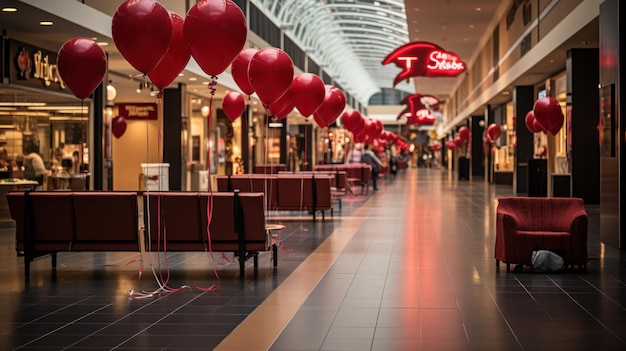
(39, 115)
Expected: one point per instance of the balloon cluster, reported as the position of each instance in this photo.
(546, 116)
(369, 130)
(269, 73)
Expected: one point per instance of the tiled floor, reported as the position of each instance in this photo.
(407, 268)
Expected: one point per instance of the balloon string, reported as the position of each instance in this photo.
(82, 141)
(209, 207)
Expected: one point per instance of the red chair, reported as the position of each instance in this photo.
(526, 224)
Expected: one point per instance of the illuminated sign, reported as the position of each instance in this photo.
(423, 59)
(34, 67)
(418, 109)
(138, 111)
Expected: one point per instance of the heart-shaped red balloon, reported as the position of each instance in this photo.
(239, 70)
(118, 126)
(142, 30)
(493, 132)
(233, 105)
(464, 133)
(176, 57)
(549, 114)
(82, 64)
(270, 74)
(308, 93)
(216, 31)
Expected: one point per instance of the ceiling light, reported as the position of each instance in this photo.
(102, 43)
(9, 9)
(479, 9)
(471, 26)
(20, 104)
(46, 23)
(193, 79)
(181, 74)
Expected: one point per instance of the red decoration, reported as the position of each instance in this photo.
(424, 59)
(216, 32)
(283, 106)
(175, 59)
(486, 146)
(82, 65)
(142, 30)
(270, 74)
(424, 116)
(332, 106)
(493, 132)
(351, 118)
(464, 133)
(450, 145)
(320, 121)
(118, 126)
(458, 141)
(233, 105)
(436, 147)
(308, 93)
(379, 128)
(549, 114)
(239, 70)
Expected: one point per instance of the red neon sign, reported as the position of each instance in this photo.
(424, 59)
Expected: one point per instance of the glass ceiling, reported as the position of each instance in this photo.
(349, 38)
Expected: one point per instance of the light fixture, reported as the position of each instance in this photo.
(9, 9)
(20, 104)
(46, 23)
(204, 111)
(111, 92)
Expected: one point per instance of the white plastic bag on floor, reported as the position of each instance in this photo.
(546, 261)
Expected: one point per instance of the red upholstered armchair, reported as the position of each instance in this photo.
(525, 224)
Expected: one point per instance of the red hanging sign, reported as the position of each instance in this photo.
(424, 59)
(140, 110)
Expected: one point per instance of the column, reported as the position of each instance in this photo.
(523, 101)
(173, 124)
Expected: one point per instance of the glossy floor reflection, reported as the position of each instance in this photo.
(407, 268)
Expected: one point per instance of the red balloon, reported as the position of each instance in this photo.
(464, 133)
(351, 119)
(549, 114)
(320, 122)
(450, 145)
(493, 132)
(175, 59)
(371, 129)
(424, 116)
(283, 106)
(216, 31)
(239, 70)
(270, 74)
(538, 127)
(531, 123)
(233, 105)
(436, 147)
(458, 141)
(308, 93)
(82, 65)
(332, 106)
(142, 31)
(379, 128)
(118, 126)
(486, 146)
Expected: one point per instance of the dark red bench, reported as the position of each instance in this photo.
(177, 221)
(49, 222)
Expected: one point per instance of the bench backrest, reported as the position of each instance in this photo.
(541, 213)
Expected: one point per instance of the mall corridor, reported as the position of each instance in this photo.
(409, 267)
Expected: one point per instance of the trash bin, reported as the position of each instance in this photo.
(156, 176)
